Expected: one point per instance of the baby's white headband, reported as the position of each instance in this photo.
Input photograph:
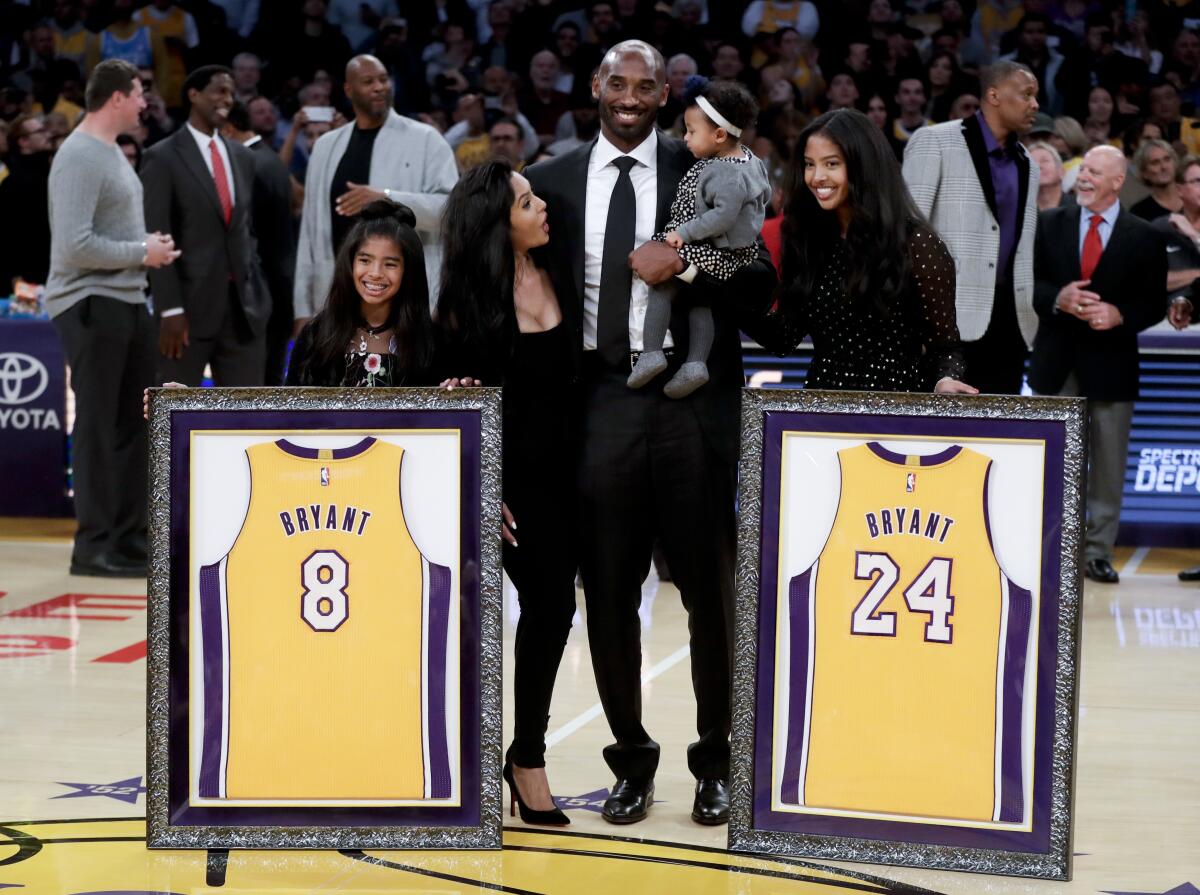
(717, 117)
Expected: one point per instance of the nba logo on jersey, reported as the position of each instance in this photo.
(910, 482)
(325, 476)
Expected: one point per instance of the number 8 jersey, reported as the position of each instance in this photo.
(906, 649)
(324, 636)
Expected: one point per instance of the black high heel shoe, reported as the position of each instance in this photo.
(552, 818)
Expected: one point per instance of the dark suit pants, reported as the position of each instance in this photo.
(996, 361)
(110, 348)
(1109, 424)
(648, 472)
(539, 491)
(236, 354)
(279, 333)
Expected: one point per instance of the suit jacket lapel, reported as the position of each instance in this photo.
(186, 146)
(575, 195)
(1022, 188)
(974, 138)
(671, 168)
(1070, 237)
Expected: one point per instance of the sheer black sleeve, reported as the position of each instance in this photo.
(302, 366)
(779, 323)
(934, 284)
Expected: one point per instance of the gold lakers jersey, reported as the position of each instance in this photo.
(324, 635)
(906, 646)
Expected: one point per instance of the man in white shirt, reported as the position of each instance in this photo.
(652, 468)
(211, 305)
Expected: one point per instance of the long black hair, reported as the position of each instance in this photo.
(335, 324)
(882, 214)
(475, 306)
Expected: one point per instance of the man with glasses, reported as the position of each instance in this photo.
(24, 222)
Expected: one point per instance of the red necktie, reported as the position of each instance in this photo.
(222, 182)
(1093, 248)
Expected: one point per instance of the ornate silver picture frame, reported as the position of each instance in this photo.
(324, 653)
(907, 643)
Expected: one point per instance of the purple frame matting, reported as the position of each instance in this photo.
(1052, 434)
(468, 813)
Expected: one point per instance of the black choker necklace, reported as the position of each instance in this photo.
(374, 330)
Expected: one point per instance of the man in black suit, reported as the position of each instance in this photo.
(274, 231)
(199, 187)
(651, 467)
(1100, 278)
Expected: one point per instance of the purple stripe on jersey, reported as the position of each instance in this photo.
(902, 459)
(987, 515)
(1012, 792)
(214, 679)
(307, 453)
(439, 622)
(799, 597)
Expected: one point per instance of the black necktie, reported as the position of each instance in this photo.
(616, 279)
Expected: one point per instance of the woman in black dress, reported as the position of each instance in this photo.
(863, 274)
(500, 323)
(375, 328)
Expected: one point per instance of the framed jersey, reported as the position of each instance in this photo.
(907, 629)
(324, 651)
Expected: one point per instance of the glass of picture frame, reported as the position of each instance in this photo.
(907, 644)
(324, 652)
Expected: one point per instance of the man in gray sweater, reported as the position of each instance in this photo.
(96, 295)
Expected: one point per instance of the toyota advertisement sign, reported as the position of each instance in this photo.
(33, 436)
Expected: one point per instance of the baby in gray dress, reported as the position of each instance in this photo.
(718, 212)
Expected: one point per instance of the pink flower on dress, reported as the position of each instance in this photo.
(373, 363)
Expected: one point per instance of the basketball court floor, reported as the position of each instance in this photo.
(72, 761)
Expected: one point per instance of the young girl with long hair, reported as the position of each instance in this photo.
(863, 273)
(375, 328)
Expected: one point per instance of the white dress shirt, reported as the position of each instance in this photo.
(602, 178)
(202, 142)
(1105, 226)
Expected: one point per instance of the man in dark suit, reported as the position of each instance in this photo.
(199, 187)
(651, 467)
(1100, 278)
(275, 233)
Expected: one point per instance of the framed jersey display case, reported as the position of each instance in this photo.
(324, 611)
(908, 629)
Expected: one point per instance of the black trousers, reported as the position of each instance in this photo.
(996, 361)
(279, 333)
(237, 356)
(110, 347)
(539, 491)
(647, 472)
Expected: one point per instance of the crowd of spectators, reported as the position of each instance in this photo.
(513, 77)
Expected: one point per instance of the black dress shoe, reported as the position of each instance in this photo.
(1101, 570)
(712, 803)
(108, 565)
(1192, 574)
(629, 802)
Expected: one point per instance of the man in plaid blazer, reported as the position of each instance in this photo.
(975, 183)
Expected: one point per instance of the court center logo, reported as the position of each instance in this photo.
(23, 378)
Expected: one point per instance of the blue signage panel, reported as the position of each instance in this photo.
(33, 420)
(1161, 506)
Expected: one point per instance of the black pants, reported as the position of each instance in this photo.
(539, 491)
(237, 356)
(996, 361)
(110, 347)
(647, 472)
(279, 333)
